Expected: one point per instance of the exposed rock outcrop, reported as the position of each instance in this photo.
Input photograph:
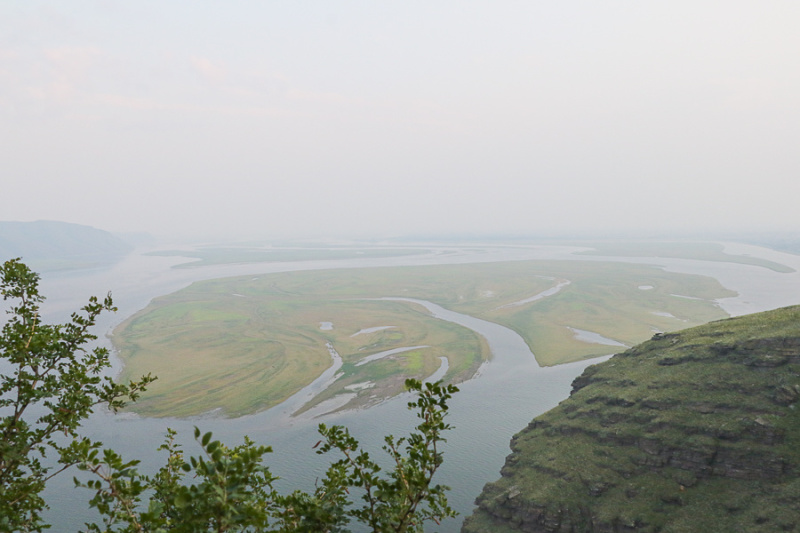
(691, 431)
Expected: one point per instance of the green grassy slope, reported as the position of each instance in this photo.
(691, 431)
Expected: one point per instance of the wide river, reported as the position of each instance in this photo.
(510, 390)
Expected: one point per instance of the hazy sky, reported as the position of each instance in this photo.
(383, 118)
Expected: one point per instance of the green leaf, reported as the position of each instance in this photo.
(182, 499)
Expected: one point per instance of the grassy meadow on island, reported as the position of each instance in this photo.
(240, 345)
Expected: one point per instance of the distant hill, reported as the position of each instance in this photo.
(691, 431)
(49, 245)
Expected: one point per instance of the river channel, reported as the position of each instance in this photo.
(509, 391)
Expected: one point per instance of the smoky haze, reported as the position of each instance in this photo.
(379, 119)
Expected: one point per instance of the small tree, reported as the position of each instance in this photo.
(49, 384)
(230, 489)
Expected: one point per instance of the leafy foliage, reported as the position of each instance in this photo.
(231, 490)
(49, 384)
(401, 501)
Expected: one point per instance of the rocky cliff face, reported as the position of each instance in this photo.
(691, 431)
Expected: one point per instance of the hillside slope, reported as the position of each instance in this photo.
(691, 431)
(49, 245)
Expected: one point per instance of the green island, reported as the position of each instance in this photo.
(705, 251)
(240, 345)
(223, 255)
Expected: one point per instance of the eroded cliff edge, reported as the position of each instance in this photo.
(691, 431)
